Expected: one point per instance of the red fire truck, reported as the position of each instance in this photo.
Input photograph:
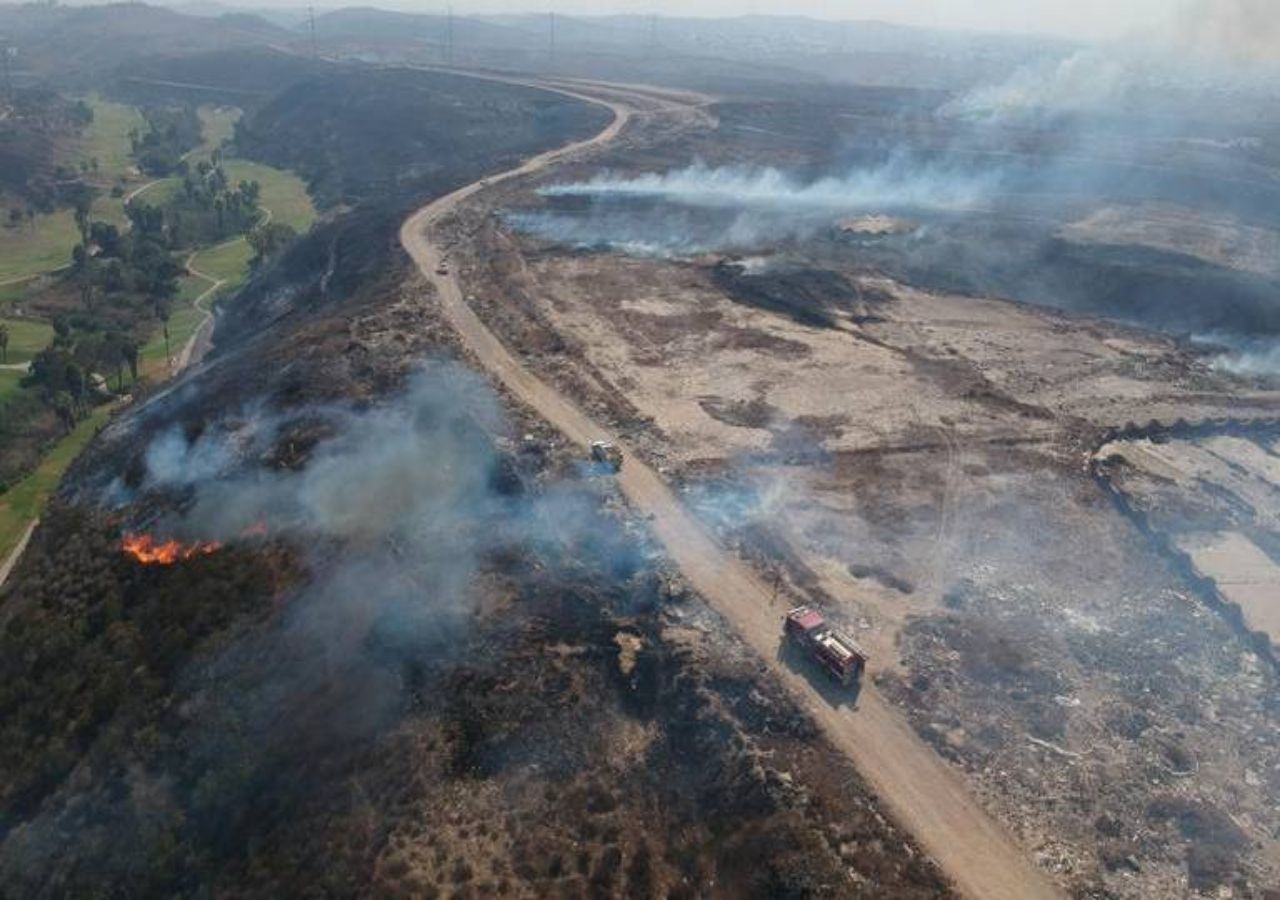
(834, 650)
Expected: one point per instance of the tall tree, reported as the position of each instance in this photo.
(83, 206)
(129, 353)
(4, 342)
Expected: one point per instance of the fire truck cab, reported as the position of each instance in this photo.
(834, 650)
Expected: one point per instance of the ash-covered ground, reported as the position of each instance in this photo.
(412, 647)
(883, 379)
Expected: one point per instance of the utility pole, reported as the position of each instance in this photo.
(311, 22)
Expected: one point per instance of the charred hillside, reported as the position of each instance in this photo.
(77, 46)
(395, 643)
(356, 136)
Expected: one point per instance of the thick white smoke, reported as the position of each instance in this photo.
(1250, 357)
(901, 182)
(701, 209)
(1245, 32)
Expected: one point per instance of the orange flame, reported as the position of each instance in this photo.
(144, 549)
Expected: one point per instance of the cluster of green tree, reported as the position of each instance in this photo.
(209, 209)
(39, 123)
(268, 240)
(171, 132)
(124, 281)
(64, 371)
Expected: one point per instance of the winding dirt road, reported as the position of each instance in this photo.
(925, 795)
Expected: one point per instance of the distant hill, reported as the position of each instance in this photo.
(241, 76)
(72, 45)
(368, 22)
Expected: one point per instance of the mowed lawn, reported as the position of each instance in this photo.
(284, 193)
(227, 262)
(25, 500)
(9, 385)
(26, 339)
(183, 322)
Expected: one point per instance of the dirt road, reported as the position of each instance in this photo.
(924, 794)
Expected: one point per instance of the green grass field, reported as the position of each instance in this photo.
(228, 262)
(25, 500)
(284, 193)
(9, 384)
(47, 243)
(26, 339)
(183, 322)
(43, 246)
(49, 246)
(107, 140)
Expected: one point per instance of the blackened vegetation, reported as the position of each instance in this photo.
(246, 77)
(810, 296)
(80, 47)
(382, 142)
(91, 644)
(400, 136)
(570, 736)
(1027, 262)
(212, 753)
(1179, 561)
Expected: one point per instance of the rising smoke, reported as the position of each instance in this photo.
(1203, 51)
(700, 209)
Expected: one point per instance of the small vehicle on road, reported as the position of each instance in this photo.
(607, 454)
(836, 652)
(442, 268)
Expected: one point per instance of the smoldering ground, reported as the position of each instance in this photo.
(392, 517)
(1156, 122)
(701, 208)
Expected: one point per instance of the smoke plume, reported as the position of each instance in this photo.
(1209, 48)
(700, 209)
(901, 182)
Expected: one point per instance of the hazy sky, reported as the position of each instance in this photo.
(1093, 18)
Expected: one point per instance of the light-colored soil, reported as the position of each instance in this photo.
(1246, 576)
(922, 473)
(1223, 241)
(925, 794)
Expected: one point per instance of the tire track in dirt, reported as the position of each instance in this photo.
(926, 796)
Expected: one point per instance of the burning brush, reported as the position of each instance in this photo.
(145, 549)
